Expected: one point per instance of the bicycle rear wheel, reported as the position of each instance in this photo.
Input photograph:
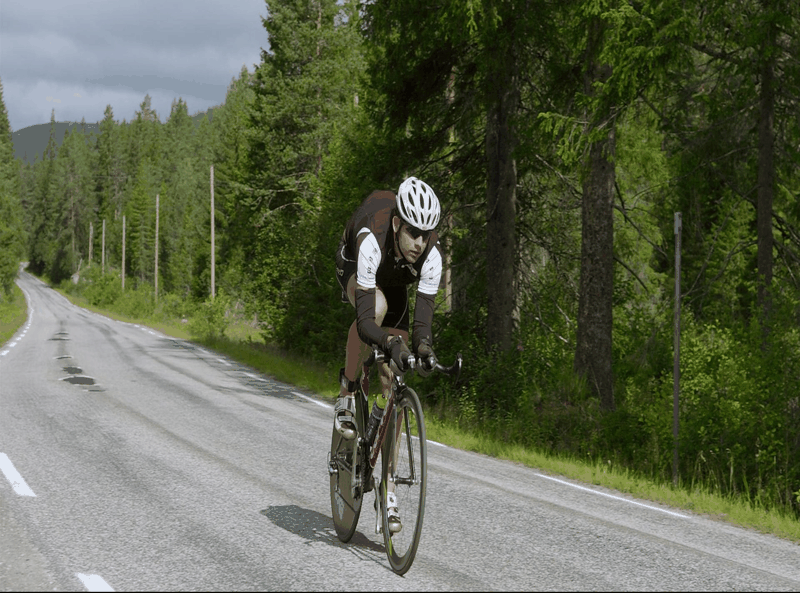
(404, 467)
(345, 466)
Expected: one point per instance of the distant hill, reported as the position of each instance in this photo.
(32, 141)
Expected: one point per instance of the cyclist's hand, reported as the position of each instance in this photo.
(426, 358)
(398, 351)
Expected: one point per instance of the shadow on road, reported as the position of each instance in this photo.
(316, 527)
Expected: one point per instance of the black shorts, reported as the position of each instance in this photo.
(396, 296)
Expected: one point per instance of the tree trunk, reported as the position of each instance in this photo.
(501, 200)
(593, 348)
(766, 179)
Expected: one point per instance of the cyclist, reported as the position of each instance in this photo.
(388, 243)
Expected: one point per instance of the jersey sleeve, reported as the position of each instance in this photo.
(368, 260)
(431, 273)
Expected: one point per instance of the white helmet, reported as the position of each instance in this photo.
(417, 204)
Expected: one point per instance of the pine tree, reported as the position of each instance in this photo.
(43, 212)
(304, 85)
(11, 232)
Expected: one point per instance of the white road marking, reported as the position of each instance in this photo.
(12, 475)
(251, 375)
(647, 506)
(225, 362)
(311, 399)
(93, 582)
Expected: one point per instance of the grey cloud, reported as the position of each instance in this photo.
(93, 53)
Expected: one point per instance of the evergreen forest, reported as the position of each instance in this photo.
(562, 138)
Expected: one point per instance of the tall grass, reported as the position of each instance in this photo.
(13, 313)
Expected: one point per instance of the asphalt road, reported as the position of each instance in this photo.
(133, 461)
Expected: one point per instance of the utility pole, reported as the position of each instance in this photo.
(213, 254)
(676, 368)
(103, 253)
(156, 279)
(91, 241)
(123, 252)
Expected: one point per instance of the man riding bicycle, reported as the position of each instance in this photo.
(388, 243)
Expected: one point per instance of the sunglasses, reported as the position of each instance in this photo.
(416, 233)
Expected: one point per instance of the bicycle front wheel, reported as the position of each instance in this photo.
(404, 470)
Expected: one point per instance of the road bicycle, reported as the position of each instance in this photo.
(403, 465)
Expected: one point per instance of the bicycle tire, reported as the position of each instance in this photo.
(409, 476)
(347, 457)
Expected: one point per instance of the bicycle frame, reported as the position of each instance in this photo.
(382, 427)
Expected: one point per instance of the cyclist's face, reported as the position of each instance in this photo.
(412, 241)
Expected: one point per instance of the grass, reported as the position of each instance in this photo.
(245, 345)
(13, 313)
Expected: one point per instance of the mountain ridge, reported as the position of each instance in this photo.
(30, 142)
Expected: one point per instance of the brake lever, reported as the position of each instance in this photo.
(454, 370)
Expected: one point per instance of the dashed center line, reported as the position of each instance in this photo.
(93, 582)
(12, 475)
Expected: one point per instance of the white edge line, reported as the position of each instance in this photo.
(647, 506)
(93, 582)
(312, 400)
(11, 473)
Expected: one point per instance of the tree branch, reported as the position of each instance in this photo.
(632, 273)
(633, 224)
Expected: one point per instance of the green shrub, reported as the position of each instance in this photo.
(101, 290)
(138, 302)
(212, 317)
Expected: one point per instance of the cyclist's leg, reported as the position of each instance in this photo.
(396, 322)
(356, 353)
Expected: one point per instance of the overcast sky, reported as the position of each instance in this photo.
(77, 56)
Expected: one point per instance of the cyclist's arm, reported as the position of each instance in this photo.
(368, 260)
(368, 330)
(426, 294)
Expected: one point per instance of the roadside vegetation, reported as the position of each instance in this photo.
(13, 313)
